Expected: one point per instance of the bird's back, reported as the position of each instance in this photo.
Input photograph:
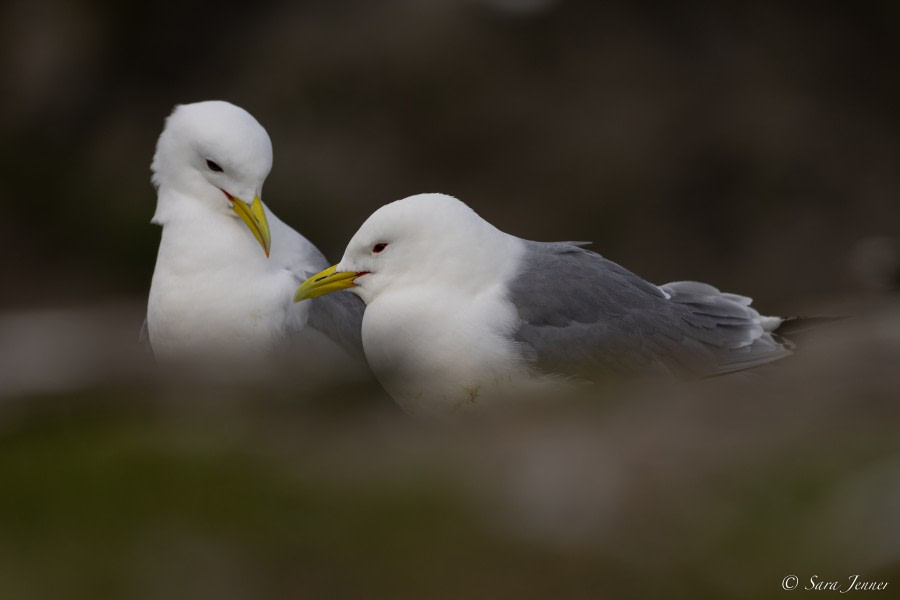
(583, 315)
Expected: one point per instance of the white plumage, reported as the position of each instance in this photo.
(460, 314)
(216, 297)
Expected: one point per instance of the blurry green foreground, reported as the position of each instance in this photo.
(130, 486)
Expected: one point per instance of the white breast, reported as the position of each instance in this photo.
(437, 353)
(214, 295)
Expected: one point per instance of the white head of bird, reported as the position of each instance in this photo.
(432, 274)
(217, 154)
(425, 238)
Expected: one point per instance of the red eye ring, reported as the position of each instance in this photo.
(379, 247)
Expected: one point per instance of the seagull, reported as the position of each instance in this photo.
(460, 314)
(227, 266)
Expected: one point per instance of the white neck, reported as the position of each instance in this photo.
(213, 288)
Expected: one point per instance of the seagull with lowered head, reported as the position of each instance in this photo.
(227, 266)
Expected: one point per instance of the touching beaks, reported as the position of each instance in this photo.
(254, 217)
(326, 282)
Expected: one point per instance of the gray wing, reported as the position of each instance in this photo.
(583, 315)
(337, 315)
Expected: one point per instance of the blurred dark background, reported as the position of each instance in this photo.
(753, 145)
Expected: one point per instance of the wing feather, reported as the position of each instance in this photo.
(583, 315)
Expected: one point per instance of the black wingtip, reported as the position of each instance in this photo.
(798, 325)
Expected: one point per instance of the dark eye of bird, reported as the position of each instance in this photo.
(214, 167)
(379, 247)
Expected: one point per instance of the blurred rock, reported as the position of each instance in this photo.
(68, 349)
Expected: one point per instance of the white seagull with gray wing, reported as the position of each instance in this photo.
(227, 266)
(459, 313)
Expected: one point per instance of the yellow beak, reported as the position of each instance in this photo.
(324, 283)
(254, 217)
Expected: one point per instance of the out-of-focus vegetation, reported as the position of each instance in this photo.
(752, 145)
(714, 489)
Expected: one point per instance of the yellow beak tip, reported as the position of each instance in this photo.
(325, 282)
(254, 217)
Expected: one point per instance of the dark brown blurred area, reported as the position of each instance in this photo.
(718, 489)
(754, 146)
